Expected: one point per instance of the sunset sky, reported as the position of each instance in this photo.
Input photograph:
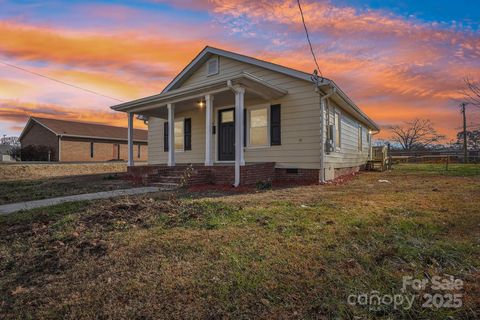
(396, 59)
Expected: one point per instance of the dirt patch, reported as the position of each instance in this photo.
(9, 172)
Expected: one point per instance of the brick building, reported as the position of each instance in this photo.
(81, 141)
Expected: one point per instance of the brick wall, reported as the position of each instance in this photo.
(301, 176)
(79, 150)
(250, 174)
(39, 135)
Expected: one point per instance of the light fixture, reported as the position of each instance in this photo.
(201, 103)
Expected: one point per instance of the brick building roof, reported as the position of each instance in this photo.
(87, 130)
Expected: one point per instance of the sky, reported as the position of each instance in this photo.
(397, 60)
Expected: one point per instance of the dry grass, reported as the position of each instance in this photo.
(288, 253)
(11, 172)
(27, 190)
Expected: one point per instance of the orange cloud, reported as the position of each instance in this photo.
(124, 49)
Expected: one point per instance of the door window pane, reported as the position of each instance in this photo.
(258, 131)
(227, 116)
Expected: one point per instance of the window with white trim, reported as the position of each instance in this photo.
(338, 135)
(258, 127)
(179, 135)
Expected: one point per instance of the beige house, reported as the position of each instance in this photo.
(230, 115)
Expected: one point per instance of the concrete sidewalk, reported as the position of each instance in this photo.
(14, 207)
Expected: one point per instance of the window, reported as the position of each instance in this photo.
(212, 66)
(337, 130)
(179, 135)
(360, 138)
(258, 127)
(138, 152)
(91, 149)
(227, 116)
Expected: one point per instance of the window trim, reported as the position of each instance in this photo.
(258, 107)
(218, 66)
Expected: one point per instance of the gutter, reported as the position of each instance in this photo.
(322, 130)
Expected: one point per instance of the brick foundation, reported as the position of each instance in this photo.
(250, 174)
(299, 176)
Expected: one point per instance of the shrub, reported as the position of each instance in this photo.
(37, 153)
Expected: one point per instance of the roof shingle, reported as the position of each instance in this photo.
(91, 130)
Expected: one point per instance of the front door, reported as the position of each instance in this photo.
(226, 134)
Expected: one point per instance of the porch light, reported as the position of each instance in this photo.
(201, 103)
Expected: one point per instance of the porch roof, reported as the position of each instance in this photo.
(248, 81)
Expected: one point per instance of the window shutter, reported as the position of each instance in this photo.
(244, 127)
(187, 133)
(165, 136)
(275, 124)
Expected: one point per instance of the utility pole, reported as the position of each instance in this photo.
(463, 106)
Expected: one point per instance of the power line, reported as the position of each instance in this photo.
(308, 38)
(59, 81)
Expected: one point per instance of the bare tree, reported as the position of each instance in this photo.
(416, 134)
(471, 92)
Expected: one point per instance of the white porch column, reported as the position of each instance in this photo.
(239, 105)
(130, 139)
(208, 129)
(171, 134)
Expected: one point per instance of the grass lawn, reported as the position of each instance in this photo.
(287, 253)
(453, 169)
(26, 190)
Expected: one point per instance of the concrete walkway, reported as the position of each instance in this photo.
(14, 207)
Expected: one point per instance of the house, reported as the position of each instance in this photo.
(241, 120)
(5, 153)
(71, 141)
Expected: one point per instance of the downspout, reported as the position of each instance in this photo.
(59, 148)
(322, 131)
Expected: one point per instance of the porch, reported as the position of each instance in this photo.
(217, 114)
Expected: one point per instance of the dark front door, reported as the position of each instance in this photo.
(226, 135)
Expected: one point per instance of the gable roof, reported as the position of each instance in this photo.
(208, 51)
(79, 129)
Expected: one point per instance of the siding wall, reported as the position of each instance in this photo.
(348, 154)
